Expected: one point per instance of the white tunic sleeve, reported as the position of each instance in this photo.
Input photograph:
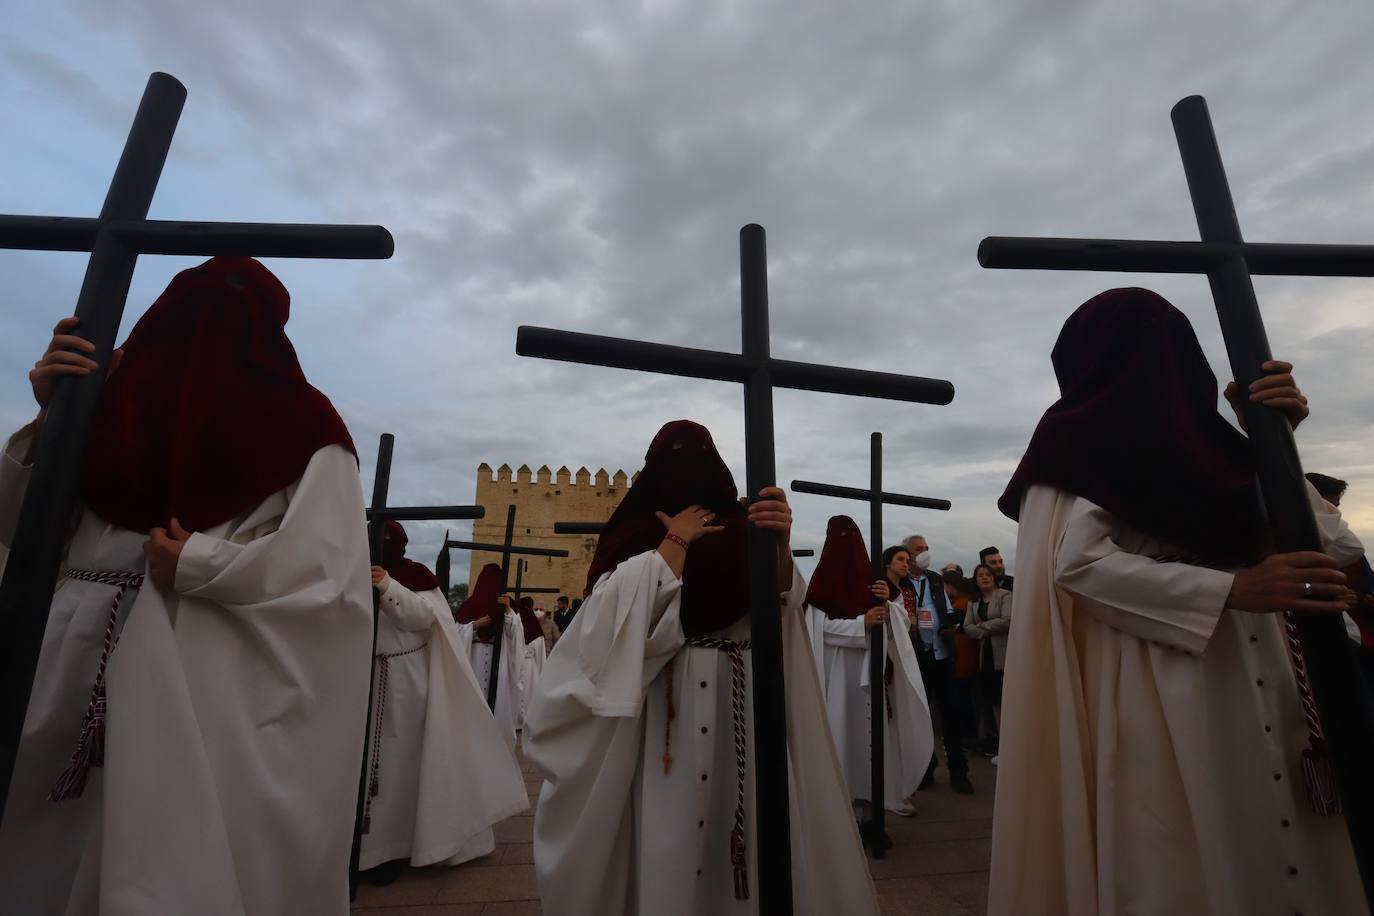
(1338, 541)
(1174, 604)
(405, 609)
(314, 533)
(849, 634)
(583, 731)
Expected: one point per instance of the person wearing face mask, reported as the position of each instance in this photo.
(923, 592)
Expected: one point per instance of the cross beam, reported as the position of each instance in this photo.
(380, 512)
(578, 527)
(114, 240)
(1229, 263)
(759, 372)
(520, 582)
(874, 831)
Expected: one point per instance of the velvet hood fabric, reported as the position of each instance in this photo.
(839, 586)
(407, 572)
(209, 412)
(528, 620)
(682, 468)
(1136, 430)
(482, 602)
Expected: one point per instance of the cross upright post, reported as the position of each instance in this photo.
(520, 588)
(114, 240)
(759, 372)
(378, 513)
(875, 830)
(1230, 262)
(506, 550)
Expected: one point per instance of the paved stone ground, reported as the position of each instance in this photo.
(938, 865)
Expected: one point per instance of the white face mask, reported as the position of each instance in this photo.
(922, 560)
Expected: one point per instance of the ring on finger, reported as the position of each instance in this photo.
(1307, 589)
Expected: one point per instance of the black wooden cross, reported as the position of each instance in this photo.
(377, 516)
(506, 550)
(759, 373)
(1229, 263)
(874, 831)
(115, 239)
(520, 588)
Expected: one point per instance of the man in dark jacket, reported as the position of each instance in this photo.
(992, 558)
(935, 623)
(562, 614)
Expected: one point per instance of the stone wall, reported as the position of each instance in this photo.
(541, 498)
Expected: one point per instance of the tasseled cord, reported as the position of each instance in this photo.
(1317, 775)
(672, 714)
(90, 747)
(740, 863)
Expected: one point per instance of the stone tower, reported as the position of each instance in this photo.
(541, 498)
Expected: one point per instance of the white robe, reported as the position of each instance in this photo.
(446, 774)
(508, 686)
(535, 654)
(842, 662)
(1151, 736)
(614, 833)
(236, 708)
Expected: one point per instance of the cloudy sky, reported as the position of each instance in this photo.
(588, 165)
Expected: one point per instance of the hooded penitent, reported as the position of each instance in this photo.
(1136, 431)
(407, 572)
(482, 602)
(682, 468)
(839, 586)
(209, 412)
(528, 620)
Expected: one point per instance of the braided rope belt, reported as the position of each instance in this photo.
(374, 776)
(739, 858)
(1317, 775)
(90, 747)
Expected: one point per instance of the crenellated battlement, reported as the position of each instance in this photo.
(523, 477)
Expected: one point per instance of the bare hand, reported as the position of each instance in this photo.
(1277, 389)
(504, 601)
(1304, 581)
(691, 523)
(880, 589)
(875, 617)
(772, 512)
(378, 574)
(163, 550)
(482, 622)
(59, 359)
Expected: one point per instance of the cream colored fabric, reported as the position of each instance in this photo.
(614, 832)
(841, 648)
(508, 685)
(446, 774)
(1151, 737)
(236, 708)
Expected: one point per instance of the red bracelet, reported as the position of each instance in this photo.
(675, 539)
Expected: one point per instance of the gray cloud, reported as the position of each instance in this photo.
(587, 166)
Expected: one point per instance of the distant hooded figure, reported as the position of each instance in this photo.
(841, 607)
(440, 773)
(647, 807)
(211, 632)
(1155, 753)
(535, 651)
(485, 609)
